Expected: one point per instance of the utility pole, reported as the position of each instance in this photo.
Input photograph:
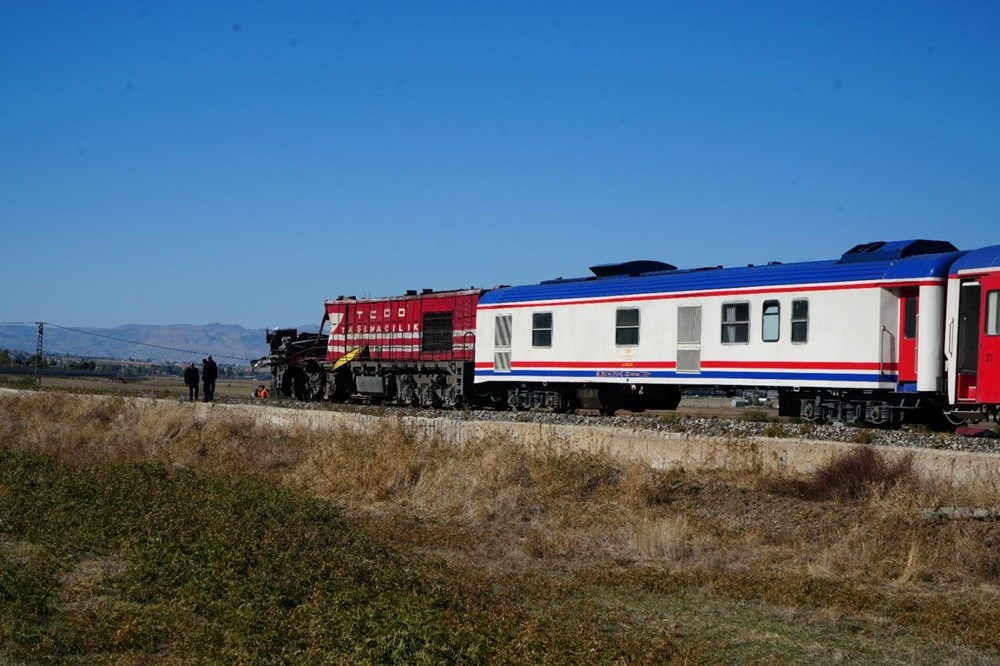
(38, 354)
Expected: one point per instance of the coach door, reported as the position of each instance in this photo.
(908, 310)
(689, 339)
(967, 358)
(989, 341)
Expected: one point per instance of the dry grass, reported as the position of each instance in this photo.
(848, 540)
(862, 470)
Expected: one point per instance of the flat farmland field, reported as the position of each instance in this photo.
(159, 387)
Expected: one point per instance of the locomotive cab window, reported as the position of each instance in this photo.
(541, 329)
(770, 325)
(800, 320)
(993, 313)
(438, 332)
(735, 323)
(627, 327)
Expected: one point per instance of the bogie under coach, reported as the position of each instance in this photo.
(889, 332)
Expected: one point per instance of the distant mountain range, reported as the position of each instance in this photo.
(227, 343)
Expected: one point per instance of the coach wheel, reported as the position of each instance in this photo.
(808, 411)
(882, 415)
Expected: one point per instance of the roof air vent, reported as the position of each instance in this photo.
(892, 250)
(631, 268)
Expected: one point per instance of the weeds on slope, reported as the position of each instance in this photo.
(146, 563)
(199, 566)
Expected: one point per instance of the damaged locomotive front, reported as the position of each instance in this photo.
(416, 349)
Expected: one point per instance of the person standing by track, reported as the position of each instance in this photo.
(209, 373)
(191, 381)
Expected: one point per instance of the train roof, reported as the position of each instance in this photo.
(987, 257)
(411, 294)
(896, 260)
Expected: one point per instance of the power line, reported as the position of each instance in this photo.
(117, 339)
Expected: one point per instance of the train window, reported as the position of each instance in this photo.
(800, 320)
(438, 333)
(770, 326)
(993, 313)
(735, 323)
(910, 319)
(541, 329)
(627, 327)
(501, 341)
(502, 333)
(689, 325)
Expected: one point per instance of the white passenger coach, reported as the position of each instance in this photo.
(883, 333)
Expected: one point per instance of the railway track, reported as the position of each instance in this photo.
(706, 418)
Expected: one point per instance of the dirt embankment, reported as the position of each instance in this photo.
(734, 566)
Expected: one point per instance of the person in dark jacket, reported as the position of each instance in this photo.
(191, 381)
(209, 373)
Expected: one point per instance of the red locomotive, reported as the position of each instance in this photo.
(415, 349)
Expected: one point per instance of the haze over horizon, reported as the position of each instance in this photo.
(241, 163)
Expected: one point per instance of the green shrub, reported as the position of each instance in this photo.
(774, 429)
(755, 416)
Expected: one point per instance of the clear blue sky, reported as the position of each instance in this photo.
(236, 162)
